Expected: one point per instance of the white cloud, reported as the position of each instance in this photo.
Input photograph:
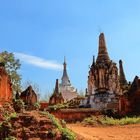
(39, 62)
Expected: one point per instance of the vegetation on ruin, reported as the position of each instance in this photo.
(69, 104)
(12, 66)
(51, 133)
(112, 113)
(58, 106)
(10, 138)
(31, 123)
(37, 105)
(6, 128)
(65, 132)
(7, 112)
(18, 105)
(104, 120)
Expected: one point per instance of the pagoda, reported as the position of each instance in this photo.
(103, 80)
(67, 90)
(28, 96)
(56, 97)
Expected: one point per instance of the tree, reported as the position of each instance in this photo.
(12, 66)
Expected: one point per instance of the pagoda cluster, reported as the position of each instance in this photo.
(28, 96)
(108, 87)
(64, 91)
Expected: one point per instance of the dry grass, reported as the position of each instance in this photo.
(104, 120)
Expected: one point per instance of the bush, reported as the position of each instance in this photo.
(65, 132)
(123, 121)
(5, 129)
(104, 120)
(90, 121)
(108, 121)
(58, 106)
(37, 105)
(112, 113)
(63, 123)
(51, 133)
(13, 115)
(10, 138)
(6, 111)
(19, 105)
(24, 134)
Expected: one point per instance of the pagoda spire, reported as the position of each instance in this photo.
(65, 65)
(102, 51)
(93, 63)
(65, 78)
(65, 68)
(122, 78)
(56, 91)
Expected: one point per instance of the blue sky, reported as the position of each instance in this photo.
(42, 32)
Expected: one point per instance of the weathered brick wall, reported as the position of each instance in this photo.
(5, 86)
(43, 105)
(124, 105)
(71, 115)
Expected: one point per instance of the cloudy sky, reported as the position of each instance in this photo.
(41, 32)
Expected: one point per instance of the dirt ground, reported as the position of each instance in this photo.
(128, 132)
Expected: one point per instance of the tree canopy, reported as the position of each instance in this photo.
(12, 66)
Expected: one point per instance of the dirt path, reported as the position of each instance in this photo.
(129, 132)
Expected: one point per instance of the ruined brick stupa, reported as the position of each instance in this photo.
(103, 80)
(5, 85)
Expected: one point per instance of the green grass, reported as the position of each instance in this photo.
(65, 132)
(90, 121)
(104, 120)
(10, 138)
(58, 106)
(13, 115)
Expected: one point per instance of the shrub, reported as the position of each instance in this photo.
(37, 105)
(127, 120)
(51, 133)
(5, 129)
(108, 121)
(65, 132)
(90, 121)
(123, 121)
(10, 138)
(112, 113)
(43, 113)
(24, 134)
(19, 105)
(104, 120)
(58, 106)
(6, 111)
(13, 115)
(63, 123)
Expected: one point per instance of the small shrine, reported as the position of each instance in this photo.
(56, 97)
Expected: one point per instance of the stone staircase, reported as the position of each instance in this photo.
(32, 126)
